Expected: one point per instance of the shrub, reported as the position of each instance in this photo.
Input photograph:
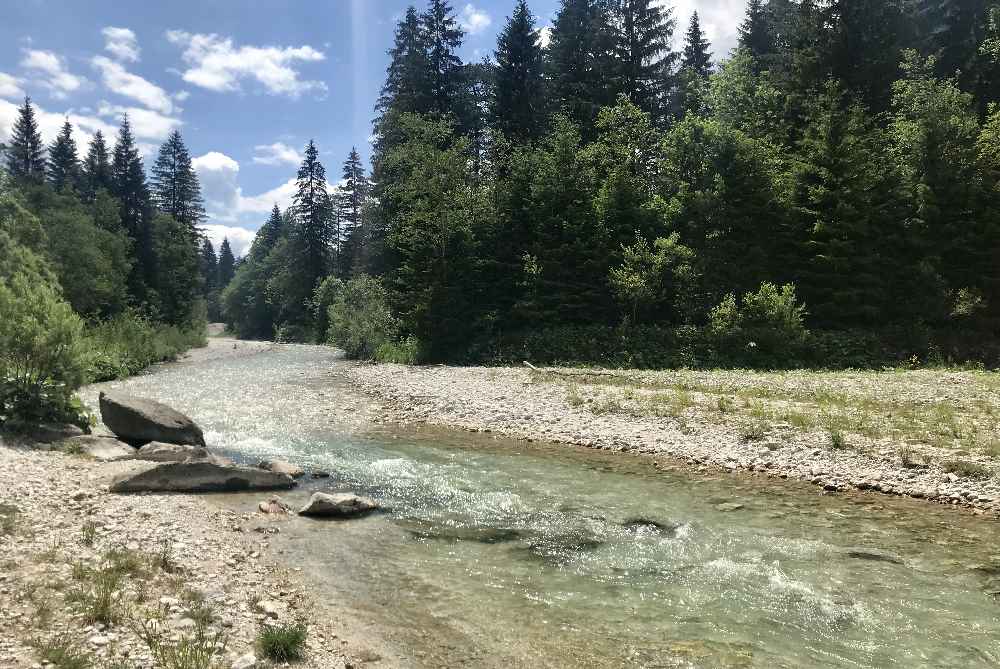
(62, 653)
(282, 643)
(765, 330)
(127, 344)
(42, 357)
(360, 321)
(405, 352)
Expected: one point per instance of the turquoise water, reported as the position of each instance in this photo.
(498, 553)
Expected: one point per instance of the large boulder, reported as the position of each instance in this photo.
(337, 505)
(105, 449)
(140, 421)
(200, 476)
(157, 451)
(282, 467)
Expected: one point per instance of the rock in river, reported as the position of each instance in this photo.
(157, 451)
(140, 421)
(282, 467)
(338, 505)
(200, 476)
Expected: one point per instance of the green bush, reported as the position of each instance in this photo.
(127, 344)
(403, 352)
(282, 643)
(42, 358)
(361, 323)
(766, 330)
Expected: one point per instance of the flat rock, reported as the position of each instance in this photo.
(140, 421)
(105, 449)
(282, 467)
(49, 433)
(200, 476)
(157, 451)
(337, 505)
(873, 554)
(728, 506)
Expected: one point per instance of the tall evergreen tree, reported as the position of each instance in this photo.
(755, 32)
(25, 153)
(209, 266)
(406, 86)
(519, 100)
(443, 38)
(96, 168)
(268, 235)
(174, 184)
(644, 61)
(696, 55)
(128, 185)
(312, 232)
(227, 264)
(353, 194)
(64, 165)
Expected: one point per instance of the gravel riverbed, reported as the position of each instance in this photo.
(527, 404)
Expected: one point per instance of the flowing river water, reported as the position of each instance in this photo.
(495, 553)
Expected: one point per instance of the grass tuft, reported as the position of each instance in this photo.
(282, 643)
(62, 653)
(968, 469)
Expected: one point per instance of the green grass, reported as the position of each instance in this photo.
(838, 441)
(97, 595)
(62, 653)
(282, 643)
(88, 533)
(968, 469)
(202, 650)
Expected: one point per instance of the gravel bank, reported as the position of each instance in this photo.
(531, 405)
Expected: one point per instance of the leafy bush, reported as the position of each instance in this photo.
(360, 321)
(127, 344)
(404, 352)
(766, 330)
(42, 357)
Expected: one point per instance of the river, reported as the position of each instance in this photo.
(496, 553)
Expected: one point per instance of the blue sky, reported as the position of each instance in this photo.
(246, 83)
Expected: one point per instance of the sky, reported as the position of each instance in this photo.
(248, 84)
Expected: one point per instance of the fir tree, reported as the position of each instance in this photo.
(406, 86)
(644, 61)
(209, 266)
(227, 264)
(174, 184)
(64, 165)
(128, 185)
(312, 234)
(519, 101)
(25, 153)
(443, 38)
(96, 168)
(353, 194)
(755, 32)
(696, 55)
(268, 235)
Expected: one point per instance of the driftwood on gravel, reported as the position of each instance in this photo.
(559, 372)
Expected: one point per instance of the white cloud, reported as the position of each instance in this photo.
(239, 238)
(224, 199)
(217, 64)
(146, 123)
(474, 20)
(276, 154)
(50, 123)
(51, 72)
(719, 20)
(121, 43)
(261, 204)
(119, 80)
(181, 96)
(545, 36)
(10, 87)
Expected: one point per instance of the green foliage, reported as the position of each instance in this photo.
(360, 320)
(282, 643)
(660, 279)
(766, 328)
(62, 653)
(127, 344)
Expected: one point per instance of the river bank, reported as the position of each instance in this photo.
(924, 434)
(101, 579)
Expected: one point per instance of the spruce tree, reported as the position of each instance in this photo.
(64, 165)
(580, 62)
(696, 55)
(755, 32)
(312, 233)
(406, 86)
(644, 62)
(174, 184)
(96, 168)
(443, 38)
(25, 153)
(519, 100)
(227, 264)
(268, 235)
(209, 266)
(128, 185)
(353, 194)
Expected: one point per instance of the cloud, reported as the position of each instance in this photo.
(224, 199)
(51, 72)
(239, 238)
(119, 80)
(474, 20)
(275, 154)
(146, 123)
(10, 87)
(50, 123)
(217, 64)
(261, 204)
(121, 43)
(719, 20)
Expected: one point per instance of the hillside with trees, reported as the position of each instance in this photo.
(826, 194)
